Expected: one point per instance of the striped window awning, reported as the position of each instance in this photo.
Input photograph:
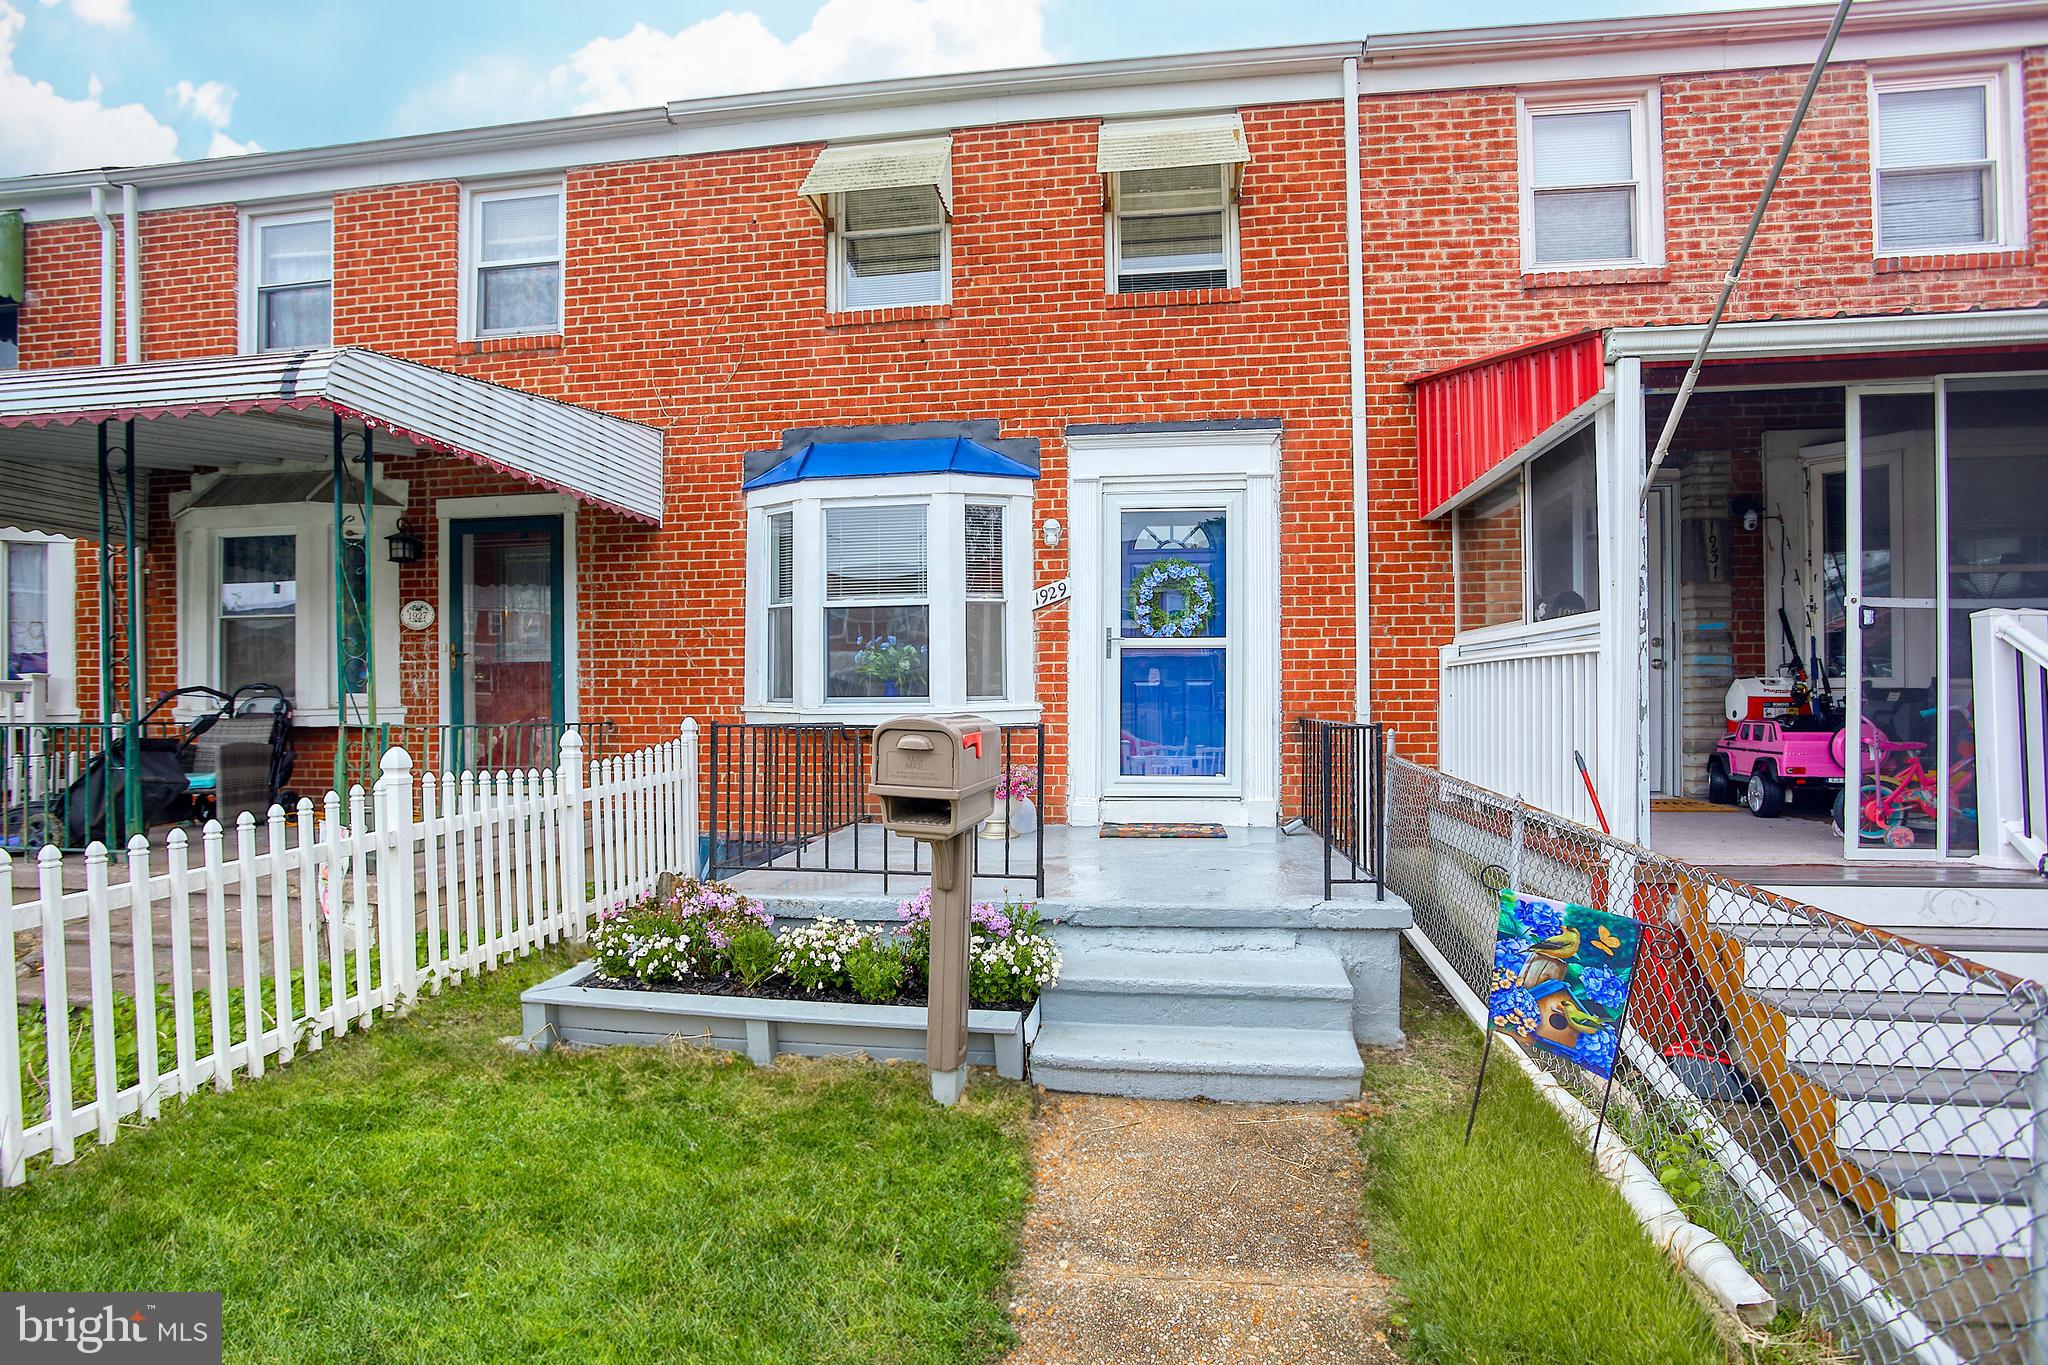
(851, 166)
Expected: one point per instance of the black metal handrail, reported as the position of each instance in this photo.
(1342, 798)
(795, 798)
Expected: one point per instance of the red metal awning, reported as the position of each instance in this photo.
(1471, 417)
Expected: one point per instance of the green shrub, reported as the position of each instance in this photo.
(755, 955)
(876, 970)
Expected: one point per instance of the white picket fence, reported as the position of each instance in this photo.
(486, 865)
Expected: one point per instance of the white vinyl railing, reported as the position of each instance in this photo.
(1516, 701)
(201, 964)
(2009, 654)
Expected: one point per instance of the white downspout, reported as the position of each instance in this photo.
(1354, 278)
(99, 215)
(131, 274)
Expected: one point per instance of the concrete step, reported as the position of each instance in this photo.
(1855, 1081)
(1299, 988)
(1907, 1042)
(1919, 1128)
(1257, 1065)
(1952, 1205)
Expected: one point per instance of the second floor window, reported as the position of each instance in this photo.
(516, 262)
(1172, 229)
(889, 247)
(1938, 165)
(1589, 185)
(294, 281)
(1171, 189)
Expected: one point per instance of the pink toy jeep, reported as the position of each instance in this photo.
(1761, 762)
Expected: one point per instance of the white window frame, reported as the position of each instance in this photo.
(835, 260)
(2005, 139)
(469, 298)
(1646, 149)
(60, 624)
(946, 496)
(1112, 236)
(198, 551)
(250, 270)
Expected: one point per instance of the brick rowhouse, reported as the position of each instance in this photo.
(695, 300)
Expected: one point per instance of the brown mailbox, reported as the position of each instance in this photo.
(936, 775)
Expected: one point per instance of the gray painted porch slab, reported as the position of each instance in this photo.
(563, 1009)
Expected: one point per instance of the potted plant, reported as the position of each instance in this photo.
(894, 663)
(1014, 813)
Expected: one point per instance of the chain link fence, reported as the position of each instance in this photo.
(1853, 1113)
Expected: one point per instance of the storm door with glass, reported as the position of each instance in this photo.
(1946, 505)
(1172, 678)
(506, 633)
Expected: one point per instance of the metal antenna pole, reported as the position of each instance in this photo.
(1756, 219)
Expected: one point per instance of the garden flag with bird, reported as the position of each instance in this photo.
(1561, 977)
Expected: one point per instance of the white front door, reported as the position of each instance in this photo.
(1172, 675)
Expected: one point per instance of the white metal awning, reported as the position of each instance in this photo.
(882, 166)
(276, 411)
(1157, 143)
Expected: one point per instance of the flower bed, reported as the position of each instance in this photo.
(704, 961)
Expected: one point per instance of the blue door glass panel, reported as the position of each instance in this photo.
(1173, 709)
(1152, 543)
(1171, 695)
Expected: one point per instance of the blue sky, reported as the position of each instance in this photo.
(96, 82)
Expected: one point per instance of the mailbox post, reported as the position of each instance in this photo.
(936, 778)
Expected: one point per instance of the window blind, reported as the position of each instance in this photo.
(1935, 177)
(781, 558)
(1591, 148)
(523, 229)
(297, 253)
(984, 551)
(1931, 127)
(874, 552)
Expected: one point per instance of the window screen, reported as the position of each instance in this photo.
(1936, 176)
(1171, 228)
(1584, 187)
(891, 247)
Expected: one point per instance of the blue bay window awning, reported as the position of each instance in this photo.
(881, 458)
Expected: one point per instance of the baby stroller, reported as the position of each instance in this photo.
(235, 756)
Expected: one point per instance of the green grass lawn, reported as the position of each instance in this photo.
(1513, 1250)
(423, 1193)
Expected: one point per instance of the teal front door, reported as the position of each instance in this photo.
(506, 629)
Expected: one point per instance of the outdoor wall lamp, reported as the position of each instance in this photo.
(1051, 531)
(405, 546)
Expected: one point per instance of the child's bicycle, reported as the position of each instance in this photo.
(1892, 803)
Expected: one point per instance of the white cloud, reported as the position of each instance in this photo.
(213, 101)
(847, 40)
(220, 144)
(99, 13)
(46, 131)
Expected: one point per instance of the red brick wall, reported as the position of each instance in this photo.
(695, 302)
(1441, 221)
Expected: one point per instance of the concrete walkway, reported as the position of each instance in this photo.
(1190, 1231)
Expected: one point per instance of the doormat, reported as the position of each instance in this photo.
(1189, 829)
(1686, 805)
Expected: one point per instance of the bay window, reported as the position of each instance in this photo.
(870, 596)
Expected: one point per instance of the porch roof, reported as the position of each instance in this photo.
(277, 410)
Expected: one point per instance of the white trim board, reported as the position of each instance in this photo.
(1234, 460)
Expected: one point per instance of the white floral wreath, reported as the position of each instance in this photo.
(1198, 599)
